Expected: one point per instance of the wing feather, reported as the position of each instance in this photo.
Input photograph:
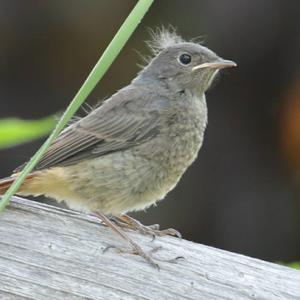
(121, 122)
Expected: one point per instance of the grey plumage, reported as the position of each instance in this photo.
(132, 150)
(114, 126)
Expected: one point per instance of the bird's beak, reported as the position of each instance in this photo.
(219, 64)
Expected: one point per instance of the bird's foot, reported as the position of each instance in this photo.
(128, 222)
(170, 260)
(137, 250)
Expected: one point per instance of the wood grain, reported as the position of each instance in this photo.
(50, 253)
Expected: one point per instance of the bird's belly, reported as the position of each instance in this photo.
(163, 169)
(119, 183)
(126, 181)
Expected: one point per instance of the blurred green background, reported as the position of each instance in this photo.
(242, 193)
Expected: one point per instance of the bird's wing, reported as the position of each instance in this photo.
(123, 121)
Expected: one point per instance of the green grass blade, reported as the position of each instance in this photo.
(15, 131)
(96, 74)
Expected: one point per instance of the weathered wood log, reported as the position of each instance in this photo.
(51, 253)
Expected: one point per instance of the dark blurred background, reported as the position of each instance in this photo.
(242, 193)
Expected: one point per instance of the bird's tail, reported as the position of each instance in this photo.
(5, 183)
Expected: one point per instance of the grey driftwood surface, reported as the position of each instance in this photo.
(50, 253)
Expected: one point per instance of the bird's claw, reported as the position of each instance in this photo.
(152, 230)
(136, 250)
(147, 230)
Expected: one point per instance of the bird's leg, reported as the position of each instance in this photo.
(126, 221)
(135, 247)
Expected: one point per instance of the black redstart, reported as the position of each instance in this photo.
(131, 151)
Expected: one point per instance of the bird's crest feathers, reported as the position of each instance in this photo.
(162, 38)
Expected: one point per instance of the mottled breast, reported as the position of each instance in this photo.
(186, 133)
(168, 156)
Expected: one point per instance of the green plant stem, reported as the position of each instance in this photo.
(96, 74)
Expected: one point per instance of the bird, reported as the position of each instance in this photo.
(130, 151)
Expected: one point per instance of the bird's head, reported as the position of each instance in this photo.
(183, 65)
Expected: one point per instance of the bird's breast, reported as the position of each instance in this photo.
(174, 150)
(186, 133)
(170, 154)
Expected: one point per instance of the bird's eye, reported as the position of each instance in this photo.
(185, 59)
